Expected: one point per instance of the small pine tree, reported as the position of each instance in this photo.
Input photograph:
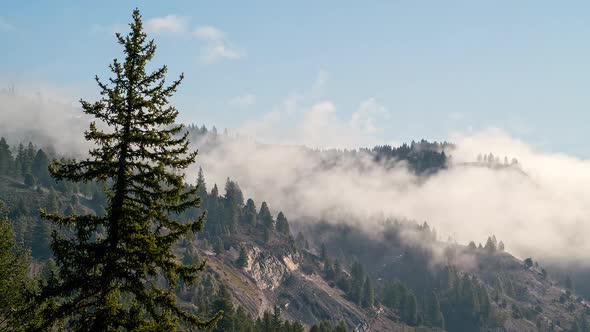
(30, 180)
(191, 257)
(433, 314)
(6, 159)
(201, 185)
(357, 274)
(52, 204)
(490, 245)
(265, 216)
(410, 313)
(242, 260)
(40, 168)
(277, 322)
(368, 294)
(282, 224)
(249, 216)
(218, 247)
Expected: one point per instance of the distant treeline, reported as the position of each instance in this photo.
(422, 157)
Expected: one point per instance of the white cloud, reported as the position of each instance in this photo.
(216, 45)
(209, 33)
(5, 26)
(169, 23)
(368, 116)
(296, 121)
(302, 119)
(243, 100)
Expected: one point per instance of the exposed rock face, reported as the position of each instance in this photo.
(267, 270)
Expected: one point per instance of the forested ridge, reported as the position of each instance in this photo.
(410, 290)
(121, 239)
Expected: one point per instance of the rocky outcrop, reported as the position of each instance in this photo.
(268, 270)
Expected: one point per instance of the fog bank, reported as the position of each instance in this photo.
(541, 209)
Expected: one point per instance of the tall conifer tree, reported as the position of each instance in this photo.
(111, 264)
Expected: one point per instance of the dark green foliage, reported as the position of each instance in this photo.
(244, 321)
(191, 257)
(52, 204)
(467, 306)
(125, 277)
(233, 204)
(277, 322)
(214, 208)
(218, 247)
(528, 263)
(433, 315)
(485, 307)
(249, 216)
(50, 272)
(40, 236)
(214, 191)
(212, 296)
(265, 216)
(422, 157)
(409, 309)
(6, 159)
(21, 210)
(282, 224)
(328, 327)
(329, 272)
(14, 282)
(242, 260)
(233, 194)
(24, 159)
(357, 275)
(30, 180)
(224, 304)
(490, 245)
(40, 169)
(394, 294)
(201, 185)
(368, 294)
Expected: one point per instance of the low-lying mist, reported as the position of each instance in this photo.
(539, 209)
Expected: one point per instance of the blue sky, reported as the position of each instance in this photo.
(387, 71)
